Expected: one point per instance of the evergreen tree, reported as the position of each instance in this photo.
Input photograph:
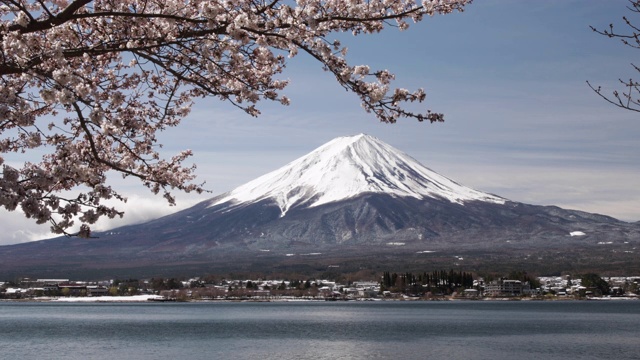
(593, 281)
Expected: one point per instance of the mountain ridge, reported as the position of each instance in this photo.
(353, 203)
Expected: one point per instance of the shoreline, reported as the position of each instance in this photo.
(160, 299)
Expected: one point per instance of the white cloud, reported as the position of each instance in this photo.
(16, 228)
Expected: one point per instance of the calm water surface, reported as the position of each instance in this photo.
(322, 330)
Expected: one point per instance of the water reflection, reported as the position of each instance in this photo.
(282, 331)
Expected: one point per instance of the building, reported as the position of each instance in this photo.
(507, 288)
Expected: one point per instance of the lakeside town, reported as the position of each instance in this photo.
(436, 286)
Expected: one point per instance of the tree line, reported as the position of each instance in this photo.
(438, 281)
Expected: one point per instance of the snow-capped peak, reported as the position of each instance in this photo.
(346, 167)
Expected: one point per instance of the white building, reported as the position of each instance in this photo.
(507, 288)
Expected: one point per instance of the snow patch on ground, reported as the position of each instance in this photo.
(134, 298)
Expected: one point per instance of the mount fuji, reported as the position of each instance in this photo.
(346, 168)
(353, 203)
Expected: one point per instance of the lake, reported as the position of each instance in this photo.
(322, 330)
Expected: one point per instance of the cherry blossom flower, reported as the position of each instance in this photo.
(92, 82)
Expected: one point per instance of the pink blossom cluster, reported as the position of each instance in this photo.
(91, 83)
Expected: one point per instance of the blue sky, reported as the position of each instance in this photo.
(510, 77)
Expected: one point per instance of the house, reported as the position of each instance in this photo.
(97, 290)
(73, 289)
(14, 293)
(471, 293)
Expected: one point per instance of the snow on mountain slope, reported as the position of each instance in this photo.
(347, 167)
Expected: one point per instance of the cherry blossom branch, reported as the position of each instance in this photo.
(629, 100)
(108, 75)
